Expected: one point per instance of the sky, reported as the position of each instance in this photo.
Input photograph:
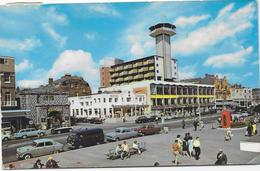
(215, 37)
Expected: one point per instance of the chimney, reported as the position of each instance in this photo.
(50, 80)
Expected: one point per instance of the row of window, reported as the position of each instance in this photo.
(179, 101)
(96, 111)
(110, 100)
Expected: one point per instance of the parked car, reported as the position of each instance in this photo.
(6, 136)
(153, 118)
(86, 137)
(29, 132)
(121, 133)
(148, 130)
(39, 147)
(142, 119)
(61, 130)
(95, 120)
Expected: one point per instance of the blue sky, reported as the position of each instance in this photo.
(216, 37)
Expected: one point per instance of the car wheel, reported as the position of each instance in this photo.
(59, 132)
(27, 156)
(24, 136)
(70, 130)
(5, 138)
(41, 134)
(117, 139)
(56, 151)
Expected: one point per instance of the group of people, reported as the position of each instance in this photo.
(51, 163)
(123, 149)
(251, 128)
(187, 146)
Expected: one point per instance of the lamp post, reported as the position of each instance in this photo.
(198, 101)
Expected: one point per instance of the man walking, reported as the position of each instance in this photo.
(183, 124)
(195, 124)
(196, 146)
(176, 152)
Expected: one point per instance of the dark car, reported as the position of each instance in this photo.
(148, 130)
(95, 120)
(86, 137)
(61, 130)
(154, 117)
(142, 119)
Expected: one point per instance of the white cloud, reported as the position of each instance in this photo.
(217, 30)
(248, 74)
(25, 64)
(187, 72)
(189, 21)
(90, 36)
(76, 62)
(57, 17)
(105, 9)
(61, 40)
(20, 45)
(225, 10)
(230, 59)
(29, 83)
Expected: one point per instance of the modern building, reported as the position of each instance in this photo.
(104, 71)
(73, 85)
(241, 96)
(110, 104)
(7, 73)
(222, 88)
(256, 96)
(13, 118)
(159, 67)
(47, 106)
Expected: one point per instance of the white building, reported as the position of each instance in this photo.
(108, 105)
(241, 96)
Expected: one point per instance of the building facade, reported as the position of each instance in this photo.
(47, 106)
(108, 105)
(73, 85)
(104, 71)
(7, 75)
(241, 96)
(256, 96)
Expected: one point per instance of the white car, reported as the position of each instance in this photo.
(5, 136)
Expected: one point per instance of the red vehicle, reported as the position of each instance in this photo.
(148, 130)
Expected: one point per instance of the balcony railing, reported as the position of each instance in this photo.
(8, 103)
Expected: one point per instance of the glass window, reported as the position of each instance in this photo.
(128, 99)
(48, 143)
(7, 78)
(116, 99)
(40, 144)
(104, 100)
(110, 99)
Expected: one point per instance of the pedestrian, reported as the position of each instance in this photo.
(51, 163)
(254, 130)
(180, 143)
(249, 129)
(176, 152)
(196, 147)
(38, 164)
(221, 158)
(125, 152)
(185, 144)
(190, 146)
(228, 134)
(195, 124)
(183, 124)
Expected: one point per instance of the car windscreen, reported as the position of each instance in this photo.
(117, 130)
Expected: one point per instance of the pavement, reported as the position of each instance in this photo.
(158, 150)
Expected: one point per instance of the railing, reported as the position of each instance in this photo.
(8, 103)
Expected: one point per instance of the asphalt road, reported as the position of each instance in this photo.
(9, 147)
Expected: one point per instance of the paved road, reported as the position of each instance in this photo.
(158, 150)
(9, 148)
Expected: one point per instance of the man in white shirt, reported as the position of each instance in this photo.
(136, 147)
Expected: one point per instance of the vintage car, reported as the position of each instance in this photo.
(95, 120)
(142, 119)
(148, 130)
(153, 118)
(121, 133)
(61, 130)
(29, 132)
(6, 136)
(39, 147)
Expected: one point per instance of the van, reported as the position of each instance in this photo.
(86, 137)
